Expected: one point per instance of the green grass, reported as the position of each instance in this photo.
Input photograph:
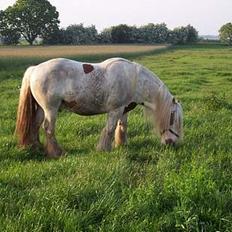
(141, 187)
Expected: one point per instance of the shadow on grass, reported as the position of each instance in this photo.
(38, 154)
(24, 155)
(214, 46)
(138, 149)
(148, 151)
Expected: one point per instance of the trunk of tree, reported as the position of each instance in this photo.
(28, 38)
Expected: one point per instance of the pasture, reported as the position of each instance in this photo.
(143, 186)
(60, 51)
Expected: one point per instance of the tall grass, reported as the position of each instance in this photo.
(141, 187)
(23, 56)
(57, 51)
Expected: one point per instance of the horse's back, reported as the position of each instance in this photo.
(95, 87)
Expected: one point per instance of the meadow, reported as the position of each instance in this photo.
(143, 186)
(60, 51)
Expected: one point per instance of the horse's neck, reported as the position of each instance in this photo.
(150, 75)
(157, 98)
(155, 94)
(149, 83)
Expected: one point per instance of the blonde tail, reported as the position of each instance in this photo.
(26, 112)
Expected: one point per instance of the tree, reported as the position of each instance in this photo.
(225, 33)
(78, 34)
(154, 33)
(135, 35)
(55, 37)
(9, 35)
(121, 34)
(105, 36)
(178, 36)
(192, 34)
(183, 35)
(33, 18)
(91, 35)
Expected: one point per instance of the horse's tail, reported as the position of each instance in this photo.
(26, 112)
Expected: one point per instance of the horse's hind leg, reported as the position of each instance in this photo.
(52, 148)
(106, 138)
(120, 135)
(38, 121)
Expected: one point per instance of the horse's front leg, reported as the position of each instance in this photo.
(107, 134)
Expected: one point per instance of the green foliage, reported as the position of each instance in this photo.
(121, 34)
(33, 18)
(78, 34)
(75, 34)
(8, 33)
(225, 33)
(55, 37)
(105, 36)
(140, 187)
(183, 35)
(154, 33)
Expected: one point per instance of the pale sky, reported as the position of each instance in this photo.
(207, 16)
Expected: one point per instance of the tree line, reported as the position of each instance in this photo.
(151, 33)
(33, 19)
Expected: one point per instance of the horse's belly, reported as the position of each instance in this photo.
(82, 108)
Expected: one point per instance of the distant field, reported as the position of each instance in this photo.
(143, 186)
(59, 51)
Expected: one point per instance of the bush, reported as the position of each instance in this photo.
(183, 35)
(225, 33)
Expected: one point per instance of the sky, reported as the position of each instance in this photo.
(207, 16)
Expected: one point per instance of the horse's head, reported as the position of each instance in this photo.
(174, 131)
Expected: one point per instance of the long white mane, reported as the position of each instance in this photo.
(160, 114)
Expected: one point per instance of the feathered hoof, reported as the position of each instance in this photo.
(37, 146)
(54, 152)
(103, 148)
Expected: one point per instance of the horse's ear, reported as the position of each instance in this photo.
(173, 100)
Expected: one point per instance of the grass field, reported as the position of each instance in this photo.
(60, 51)
(141, 187)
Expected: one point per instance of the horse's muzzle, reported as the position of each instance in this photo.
(169, 142)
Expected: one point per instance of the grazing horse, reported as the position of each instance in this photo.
(114, 86)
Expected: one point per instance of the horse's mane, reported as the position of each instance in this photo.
(163, 104)
(160, 114)
(159, 111)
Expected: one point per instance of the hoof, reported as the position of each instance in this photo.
(54, 153)
(36, 146)
(101, 148)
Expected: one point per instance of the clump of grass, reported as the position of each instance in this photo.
(229, 79)
(217, 101)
